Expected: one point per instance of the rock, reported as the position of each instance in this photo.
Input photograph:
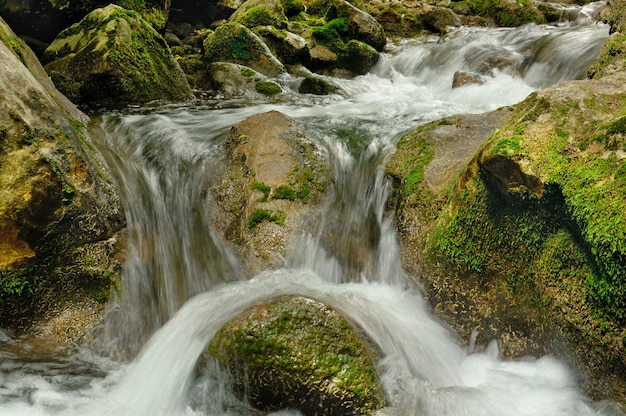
(298, 353)
(357, 57)
(236, 80)
(528, 244)
(361, 25)
(237, 44)
(461, 79)
(288, 47)
(255, 13)
(439, 18)
(118, 59)
(60, 213)
(316, 85)
(43, 20)
(275, 184)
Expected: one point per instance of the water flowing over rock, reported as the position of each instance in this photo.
(298, 353)
(115, 58)
(274, 184)
(59, 211)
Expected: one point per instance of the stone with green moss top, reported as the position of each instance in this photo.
(117, 58)
(235, 43)
(298, 353)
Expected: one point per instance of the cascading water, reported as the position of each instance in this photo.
(181, 283)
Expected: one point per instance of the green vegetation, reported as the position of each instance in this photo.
(228, 40)
(260, 186)
(267, 87)
(331, 30)
(284, 192)
(613, 54)
(259, 215)
(257, 16)
(504, 13)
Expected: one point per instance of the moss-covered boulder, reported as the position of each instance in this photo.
(298, 353)
(504, 13)
(274, 186)
(288, 47)
(529, 244)
(59, 210)
(360, 25)
(237, 80)
(255, 13)
(117, 58)
(316, 85)
(237, 44)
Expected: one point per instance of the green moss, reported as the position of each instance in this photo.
(284, 192)
(292, 7)
(417, 153)
(229, 40)
(267, 87)
(613, 53)
(247, 72)
(331, 30)
(260, 186)
(507, 14)
(259, 215)
(509, 146)
(15, 284)
(257, 16)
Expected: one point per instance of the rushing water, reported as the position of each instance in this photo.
(181, 282)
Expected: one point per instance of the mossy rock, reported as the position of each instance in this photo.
(298, 353)
(59, 210)
(288, 47)
(505, 13)
(536, 217)
(118, 59)
(235, 43)
(317, 86)
(255, 13)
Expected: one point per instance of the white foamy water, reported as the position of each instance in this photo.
(181, 282)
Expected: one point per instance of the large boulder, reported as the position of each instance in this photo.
(41, 21)
(113, 57)
(275, 185)
(59, 210)
(528, 244)
(298, 353)
(361, 25)
(236, 44)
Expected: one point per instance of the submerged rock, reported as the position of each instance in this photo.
(59, 210)
(275, 184)
(298, 353)
(117, 58)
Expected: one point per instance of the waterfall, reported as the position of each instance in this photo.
(182, 283)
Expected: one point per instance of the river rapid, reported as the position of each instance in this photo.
(182, 283)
